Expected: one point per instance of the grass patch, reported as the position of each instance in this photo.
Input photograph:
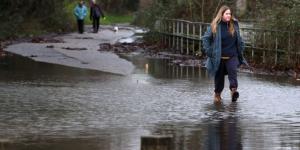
(110, 18)
(114, 19)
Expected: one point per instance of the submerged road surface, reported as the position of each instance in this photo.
(47, 106)
(80, 50)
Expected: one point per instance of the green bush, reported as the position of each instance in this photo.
(21, 17)
(31, 17)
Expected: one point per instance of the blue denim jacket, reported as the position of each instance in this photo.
(213, 48)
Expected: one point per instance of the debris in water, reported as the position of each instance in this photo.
(84, 38)
(49, 46)
(74, 49)
(46, 40)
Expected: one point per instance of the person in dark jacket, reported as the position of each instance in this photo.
(80, 13)
(224, 47)
(95, 14)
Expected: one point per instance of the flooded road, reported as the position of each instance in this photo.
(46, 106)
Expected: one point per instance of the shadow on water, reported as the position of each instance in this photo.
(158, 107)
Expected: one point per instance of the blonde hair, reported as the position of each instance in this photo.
(218, 18)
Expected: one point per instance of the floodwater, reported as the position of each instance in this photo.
(52, 107)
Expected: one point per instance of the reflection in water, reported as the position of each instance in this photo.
(156, 143)
(44, 106)
(216, 132)
(225, 134)
(60, 144)
(163, 69)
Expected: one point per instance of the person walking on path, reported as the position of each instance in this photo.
(80, 13)
(224, 48)
(95, 14)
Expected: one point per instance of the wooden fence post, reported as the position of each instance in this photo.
(165, 31)
(173, 34)
(194, 32)
(264, 51)
(200, 39)
(187, 39)
(252, 47)
(289, 48)
(181, 43)
(177, 35)
(276, 52)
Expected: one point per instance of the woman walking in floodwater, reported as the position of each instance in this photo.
(224, 48)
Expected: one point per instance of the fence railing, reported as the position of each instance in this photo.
(262, 45)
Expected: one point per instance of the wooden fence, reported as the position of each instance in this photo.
(262, 45)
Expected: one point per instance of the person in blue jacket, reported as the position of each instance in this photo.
(224, 48)
(80, 13)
